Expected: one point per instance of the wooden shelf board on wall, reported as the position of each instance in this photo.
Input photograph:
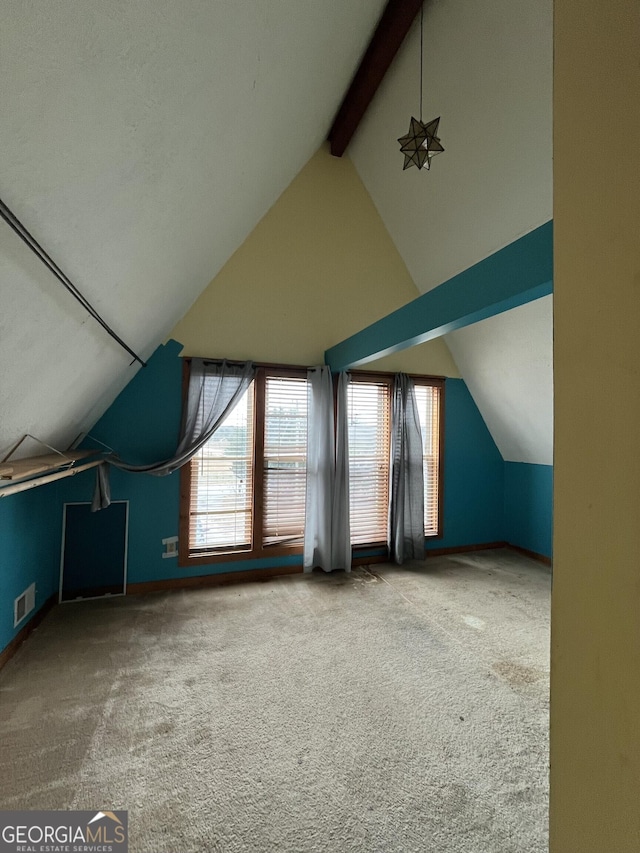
(15, 470)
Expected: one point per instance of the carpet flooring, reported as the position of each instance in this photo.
(393, 710)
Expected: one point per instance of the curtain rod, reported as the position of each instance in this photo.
(437, 378)
(237, 363)
(14, 223)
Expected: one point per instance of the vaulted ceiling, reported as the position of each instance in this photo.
(141, 143)
(488, 74)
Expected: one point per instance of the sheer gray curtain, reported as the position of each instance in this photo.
(341, 531)
(406, 510)
(214, 389)
(326, 531)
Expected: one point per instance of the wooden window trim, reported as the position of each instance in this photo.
(437, 382)
(384, 379)
(187, 559)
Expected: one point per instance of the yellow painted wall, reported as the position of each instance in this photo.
(318, 267)
(595, 666)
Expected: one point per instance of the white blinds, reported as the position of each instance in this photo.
(285, 459)
(222, 483)
(369, 404)
(428, 402)
(225, 491)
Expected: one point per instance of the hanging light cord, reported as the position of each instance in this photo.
(421, 38)
(14, 223)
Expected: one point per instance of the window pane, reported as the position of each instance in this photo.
(369, 419)
(428, 402)
(285, 459)
(222, 483)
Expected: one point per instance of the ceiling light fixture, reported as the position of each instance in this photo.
(422, 142)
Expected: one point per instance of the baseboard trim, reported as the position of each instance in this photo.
(253, 575)
(9, 651)
(462, 549)
(221, 579)
(541, 558)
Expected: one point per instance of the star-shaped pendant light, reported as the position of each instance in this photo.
(422, 142)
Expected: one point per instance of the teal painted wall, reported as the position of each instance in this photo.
(473, 474)
(485, 499)
(528, 506)
(30, 538)
(143, 424)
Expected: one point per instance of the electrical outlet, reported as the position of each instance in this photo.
(170, 547)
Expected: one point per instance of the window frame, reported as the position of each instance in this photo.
(257, 549)
(418, 379)
(386, 379)
(279, 373)
(260, 551)
(437, 382)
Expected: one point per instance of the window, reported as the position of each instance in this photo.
(285, 459)
(369, 418)
(243, 493)
(428, 402)
(221, 494)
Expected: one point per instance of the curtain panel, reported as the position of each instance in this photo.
(327, 542)
(406, 506)
(213, 391)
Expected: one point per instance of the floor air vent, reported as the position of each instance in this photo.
(24, 604)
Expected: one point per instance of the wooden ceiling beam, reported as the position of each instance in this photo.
(393, 26)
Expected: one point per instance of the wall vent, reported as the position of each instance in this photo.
(24, 604)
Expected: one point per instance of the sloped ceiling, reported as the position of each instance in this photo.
(140, 143)
(488, 74)
(507, 363)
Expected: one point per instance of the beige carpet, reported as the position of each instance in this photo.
(390, 710)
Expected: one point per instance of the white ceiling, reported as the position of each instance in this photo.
(140, 143)
(507, 362)
(488, 74)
